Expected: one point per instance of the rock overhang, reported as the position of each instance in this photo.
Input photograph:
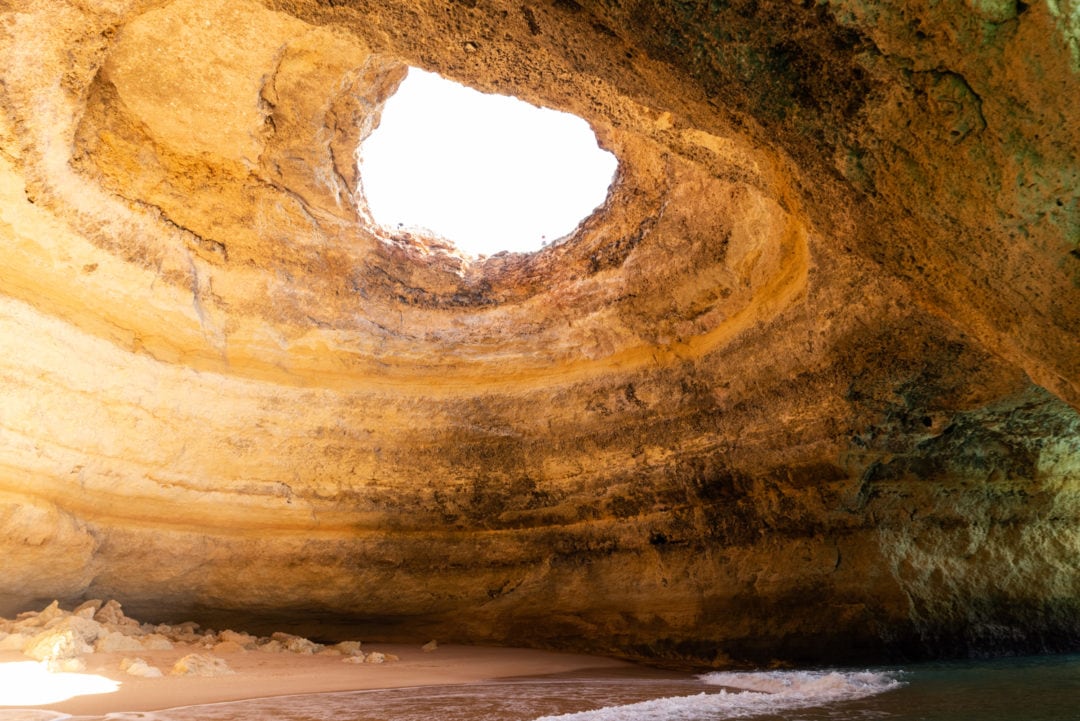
(711, 399)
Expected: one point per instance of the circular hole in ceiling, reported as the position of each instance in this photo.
(490, 173)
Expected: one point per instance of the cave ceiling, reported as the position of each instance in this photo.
(804, 388)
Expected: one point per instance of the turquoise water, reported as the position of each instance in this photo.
(1044, 688)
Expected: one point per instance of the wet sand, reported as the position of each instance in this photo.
(260, 674)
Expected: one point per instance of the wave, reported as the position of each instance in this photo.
(825, 684)
(758, 693)
(28, 714)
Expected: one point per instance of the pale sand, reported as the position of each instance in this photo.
(261, 674)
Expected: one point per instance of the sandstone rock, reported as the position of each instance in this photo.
(111, 614)
(207, 640)
(430, 646)
(56, 645)
(15, 641)
(296, 644)
(87, 609)
(32, 619)
(88, 630)
(155, 642)
(245, 640)
(195, 664)
(115, 642)
(65, 665)
(375, 657)
(140, 668)
(272, 646)
(349, 648)
(358, 657)
(183, 633)
(227, 647)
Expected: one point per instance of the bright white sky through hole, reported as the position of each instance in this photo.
(488, 172)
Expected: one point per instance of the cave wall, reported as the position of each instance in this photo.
(804, 389)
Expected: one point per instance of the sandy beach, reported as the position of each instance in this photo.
(260, 674)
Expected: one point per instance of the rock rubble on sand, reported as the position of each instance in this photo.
(197, 664)
(61, 639)
(140, 668)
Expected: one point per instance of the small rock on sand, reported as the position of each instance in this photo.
(246, 640)
(296, 644)
(430, 646)
(140, 668)
(197, 664)
(349, 648)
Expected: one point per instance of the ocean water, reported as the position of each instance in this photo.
(1044, 688)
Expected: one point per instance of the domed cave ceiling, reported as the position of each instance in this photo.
(803, 389)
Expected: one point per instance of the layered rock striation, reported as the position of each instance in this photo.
(803, 389)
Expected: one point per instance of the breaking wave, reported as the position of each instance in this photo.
(755, 693)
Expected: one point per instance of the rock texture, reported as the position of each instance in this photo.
(62, 640)
(805, 388)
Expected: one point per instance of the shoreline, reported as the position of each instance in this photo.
(264, 675)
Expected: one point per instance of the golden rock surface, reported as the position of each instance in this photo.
(804, 389)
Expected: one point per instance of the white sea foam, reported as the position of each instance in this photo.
(824, 684)
(760, 692)
(29, 714)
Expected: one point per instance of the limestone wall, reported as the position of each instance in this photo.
(803, 389)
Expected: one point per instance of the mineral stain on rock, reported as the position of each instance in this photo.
(804, 390)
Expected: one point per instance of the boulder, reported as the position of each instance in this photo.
(197, 664)
(155, 642)
(115, 642)
(140, 668)
(88, 629)
(87, 609)
(112, 614)
(37, 619)
(296, 644)
(245, 640)
(57, 645)
(349, 648)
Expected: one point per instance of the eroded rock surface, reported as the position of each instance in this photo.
(65, 639)
(804, 389)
